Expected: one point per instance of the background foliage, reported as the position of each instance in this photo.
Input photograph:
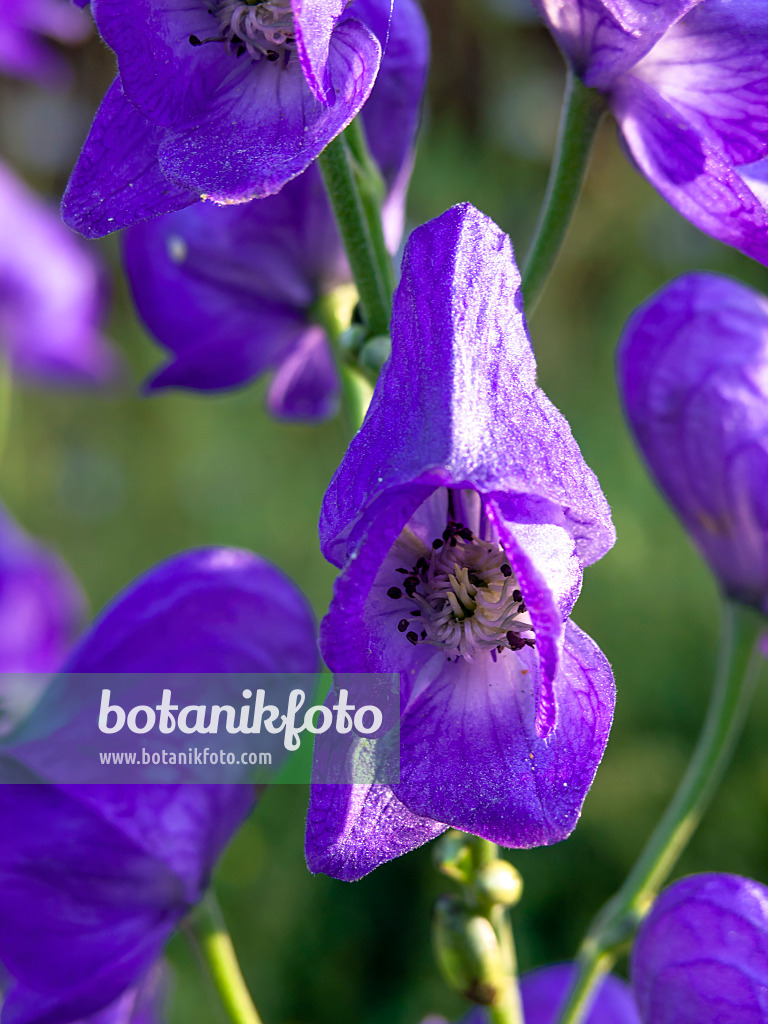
(116, 482)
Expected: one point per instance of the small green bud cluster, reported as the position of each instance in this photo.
(471, 935)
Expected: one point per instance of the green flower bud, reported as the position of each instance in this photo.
(468, 952)
(453, 856)
(351, 340)
(498, 883)
(375, 352)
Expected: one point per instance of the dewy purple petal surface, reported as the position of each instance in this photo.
(314, 22)
(693, 374)
(461, 516)
(192, 272)
(270, 130)
(701, 955)
(80, 928)
(226, 96)
(117, 180)
(351, 830)
(461, 364)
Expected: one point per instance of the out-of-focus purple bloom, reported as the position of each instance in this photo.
(701, 955)
(462, 515)
(94, 879)
(227, 100)
(23, 50)
(233, 291)
(687, 83)
(140, 1004)
(51, 295)
(693, 374)
(543, 994)
(41, 605)
(41, 611)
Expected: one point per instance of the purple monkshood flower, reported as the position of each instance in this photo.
(94, 879)
(686, 81)
(24, 23)
(52, 295)
(701, 955)
(461, 517)
(224, 99)
(544, 991)
(233, 291)
(693, 375)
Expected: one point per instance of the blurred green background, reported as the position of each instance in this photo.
(116, 482)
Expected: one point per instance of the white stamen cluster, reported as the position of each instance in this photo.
(465, 597)
(263, 29)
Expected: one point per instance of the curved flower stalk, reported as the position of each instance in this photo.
(235, 291)
(95, 878)
(461, 517)
(686, 82)
(693, 374)
(226, 100)
(24, 52)
(701, 955)
(52, 295)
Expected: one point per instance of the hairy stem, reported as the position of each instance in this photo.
(354, 215)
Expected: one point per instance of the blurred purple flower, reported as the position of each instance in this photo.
(226, 100)
(51, 295)
(462, 515)
(544, 991)
(233, 291)
(701, 955)
(687, 83)
(41, 605)
(94, 879)
(140, 1004)
(23, 51)
(693, 374)
(41, 610)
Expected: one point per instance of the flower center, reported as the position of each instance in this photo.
(462, 595)
(261, 28)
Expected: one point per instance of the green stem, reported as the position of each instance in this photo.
(6, 397)
(582, 110)
(342, 184)
(333, 311)
(509, 1009)
(210, 931)
(372, 194)
(739, 663)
